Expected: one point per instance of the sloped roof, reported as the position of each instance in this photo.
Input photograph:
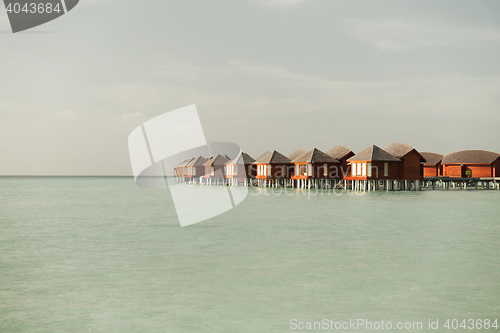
(273, 158)
(217, 160)
(209, 161)
(180, 164)
(400, 150)
(185, 162)
(262, 155)
(296, 153)
(374, 153)
(315, 156)
(431, 158)
(338, 152)
(199, 161)
(241, 158)
(470, 156)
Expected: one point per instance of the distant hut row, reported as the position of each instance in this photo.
(397, 166)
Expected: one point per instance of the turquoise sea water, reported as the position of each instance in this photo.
(102, 255)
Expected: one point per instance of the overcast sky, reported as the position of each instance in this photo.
(265, 74)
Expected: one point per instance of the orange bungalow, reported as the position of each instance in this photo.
(177, 169)
(180, 170)
(214, 169)
(372, 165)
(195, 168)
(342, 154)
(432, 167)
(316, 168)
(411, 159)
(240, 169)
(471, 163)
(273, 168)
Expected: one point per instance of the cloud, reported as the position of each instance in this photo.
(275, 3)
(67, 115)
(400, 35)
(455, 95)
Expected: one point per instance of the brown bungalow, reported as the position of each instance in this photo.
(432, 167)
(342, 154)
(240, 169)
(317, 166)
(471, 163)
(195, 168)
(214, 169)
(274, 167)
(371, 165)
(411, 159)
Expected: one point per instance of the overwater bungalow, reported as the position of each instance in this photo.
(372, 165)
(214, 170)
(240, 169)
(180, 170)
(411, 167)
(195, 169)
(342, 154)
(471, 163)
(315, 168)
(432, 167)
(273, 169)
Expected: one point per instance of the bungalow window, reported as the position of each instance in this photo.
(354, 169)
(269, 169)
(309, 169)
(325, 169)
(234, 169)
(249, 170)
(363, 170)
(369, 166)
(358, 169)
(302, 169)
(386, 169)
(212, 171)
(194, 171)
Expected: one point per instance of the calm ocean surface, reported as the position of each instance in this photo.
(102, 255)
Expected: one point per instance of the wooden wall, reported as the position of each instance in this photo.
(431, 170)
(411, 166)
(478, 170)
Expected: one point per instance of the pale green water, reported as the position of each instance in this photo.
(101, 255)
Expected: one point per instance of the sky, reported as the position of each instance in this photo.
(264, 74)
